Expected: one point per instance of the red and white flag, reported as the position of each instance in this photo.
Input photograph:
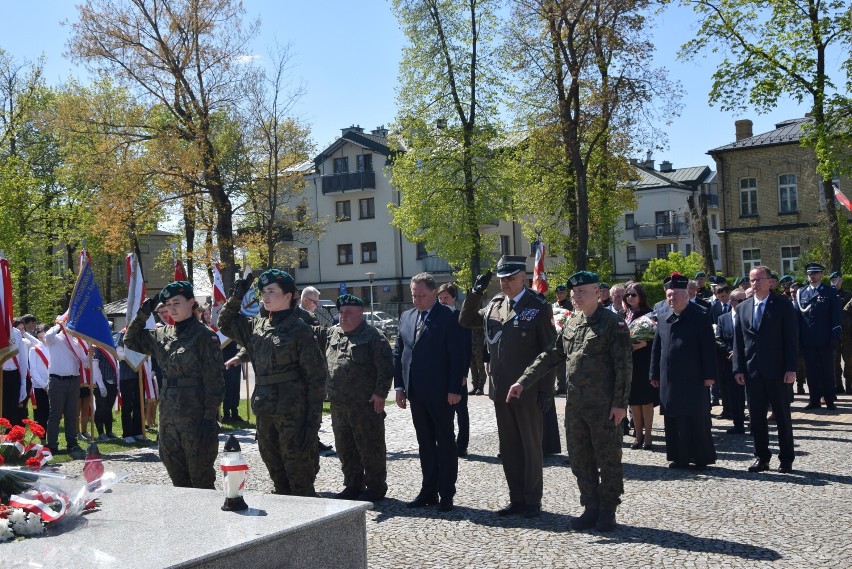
(539, 281)
(219, 297)
(180, 272)
(842, 199)
(8, 348)
(136, 295)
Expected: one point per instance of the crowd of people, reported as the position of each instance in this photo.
(612, 355)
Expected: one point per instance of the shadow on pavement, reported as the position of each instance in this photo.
(800, 477)
(669, 539)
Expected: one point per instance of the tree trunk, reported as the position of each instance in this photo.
(189, 231)
(835, 254)
(698, 221)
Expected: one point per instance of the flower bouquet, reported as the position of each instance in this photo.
(560, 317)
(643, 329)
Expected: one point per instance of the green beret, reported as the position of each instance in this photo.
(561, 287)
(603, 286)
(182, 288)
(510, 265)
(786, 279)
(272, 276)
(582, 278)
(700, 275)
(349, 300)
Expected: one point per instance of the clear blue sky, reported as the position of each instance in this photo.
(348, 54)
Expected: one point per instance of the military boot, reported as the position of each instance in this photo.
(606, 520)
(586, 520)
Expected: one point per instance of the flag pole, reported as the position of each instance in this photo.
(141, 399)
(92, 393)
(248, 393)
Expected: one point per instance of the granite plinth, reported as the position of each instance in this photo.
(147, 527)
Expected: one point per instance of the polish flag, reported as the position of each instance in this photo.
(539, 282)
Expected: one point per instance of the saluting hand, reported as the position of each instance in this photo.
(515, 391)
(242, 286)
(481, 283)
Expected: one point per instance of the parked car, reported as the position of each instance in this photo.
(383, 321)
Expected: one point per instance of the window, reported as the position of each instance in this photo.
(715, 252)
(789, 256)
(751, 259)
(713, 221)
(368, 252)
(788, 194)
(341, 165)
(344, 254)
(422, 253)
(663, 249)
(628, 221)
(688, 249)
(343, 210)
(631, 253)
(303, 258)
(364, 162)
(748, 197)
(367, 208)
(504, 244)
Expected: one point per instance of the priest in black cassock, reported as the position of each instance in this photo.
(683, 366)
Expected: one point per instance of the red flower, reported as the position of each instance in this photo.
(16, 435)
(36, 429)
(33, 463)
(2, 460)
(5, 424)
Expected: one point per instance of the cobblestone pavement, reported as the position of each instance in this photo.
(721, 517)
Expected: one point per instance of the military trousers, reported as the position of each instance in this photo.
(289, 450)
(820, 364)
(594, 445)
(187, 457)
(359, 436)
(844, 374)
(519, 427)
(477, 366)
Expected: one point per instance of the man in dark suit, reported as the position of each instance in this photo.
(733, 394)
(447, 295)
(428, 366)
(720, 304)
(518, 326)
(683, 366)
(692, 289)
(766, 353)
(819, 333)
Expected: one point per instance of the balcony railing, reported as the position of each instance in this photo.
(432, 264)
(348, 181)
(661, 230)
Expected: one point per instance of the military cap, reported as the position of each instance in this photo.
(700, 275)
(785, 279)
(349, 300)
(834, 275)
(603, 286)
(282, 278)
(582, 278)
(814, 268)
(676, 280)
(773, 275)
(511, 265)
(737, 281)
(561, 287)
(182, 288)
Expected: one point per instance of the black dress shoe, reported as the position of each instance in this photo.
(736, 431)
(587, 520)
(831, 406)
(422, 500)
(371, 496)
(785, 468)
(849, 390)
(462, 453)
(759, 466)
(678, 465)
(800, 390)
(510, 510)
(478, 392)
(532, 511)
(472, 392)
(648, 446)
(324, 447)
(812, 406)
(446, 505)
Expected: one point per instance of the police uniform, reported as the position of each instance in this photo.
(819, 332)
(515, 334)
(193, 388)
(598, 357)
(360, 365)
(290, 374)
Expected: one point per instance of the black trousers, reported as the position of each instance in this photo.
(439, 461)
(131, 417)
(819, 362)
(762, 393)
(41, 411)
(231, 402)
(733, 394)
(460, 410)
(103, 408)
(11, 392)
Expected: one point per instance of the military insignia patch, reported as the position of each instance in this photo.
(529, 314)
(165, 294)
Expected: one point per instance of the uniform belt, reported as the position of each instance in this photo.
(54, 376)
(275, 378)
(182, 381)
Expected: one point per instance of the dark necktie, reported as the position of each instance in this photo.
(420, 320)
(758, 316)
(726, 308)
(511, 304)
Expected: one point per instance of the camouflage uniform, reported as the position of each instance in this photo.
(289, 389)
(600, 367)
(477, 366)
(360, 365)
(193, 388)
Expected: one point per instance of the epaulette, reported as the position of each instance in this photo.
(540, 297)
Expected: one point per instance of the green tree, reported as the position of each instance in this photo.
(448, 170)
(779, 49)
(659, 269)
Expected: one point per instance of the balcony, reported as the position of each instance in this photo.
(671, 230)
(711, 199)
(349, 181)
(433, 264)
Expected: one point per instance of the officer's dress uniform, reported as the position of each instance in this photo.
(360, 365)
(290, 374)
(819, 330)
(190, 358)
(515, 335)
(600, 367)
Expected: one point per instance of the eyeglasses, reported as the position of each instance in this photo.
(316, 302)
(630, 294)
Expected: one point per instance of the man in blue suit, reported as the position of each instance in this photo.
(428, 365)
(819, 334)
(766, 354)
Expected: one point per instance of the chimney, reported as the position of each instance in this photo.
(634, 162)
(379, 131)
(743, 129)
(352, 128)
(648, 165)
(665, 166)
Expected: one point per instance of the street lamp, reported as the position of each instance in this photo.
(371, 276)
